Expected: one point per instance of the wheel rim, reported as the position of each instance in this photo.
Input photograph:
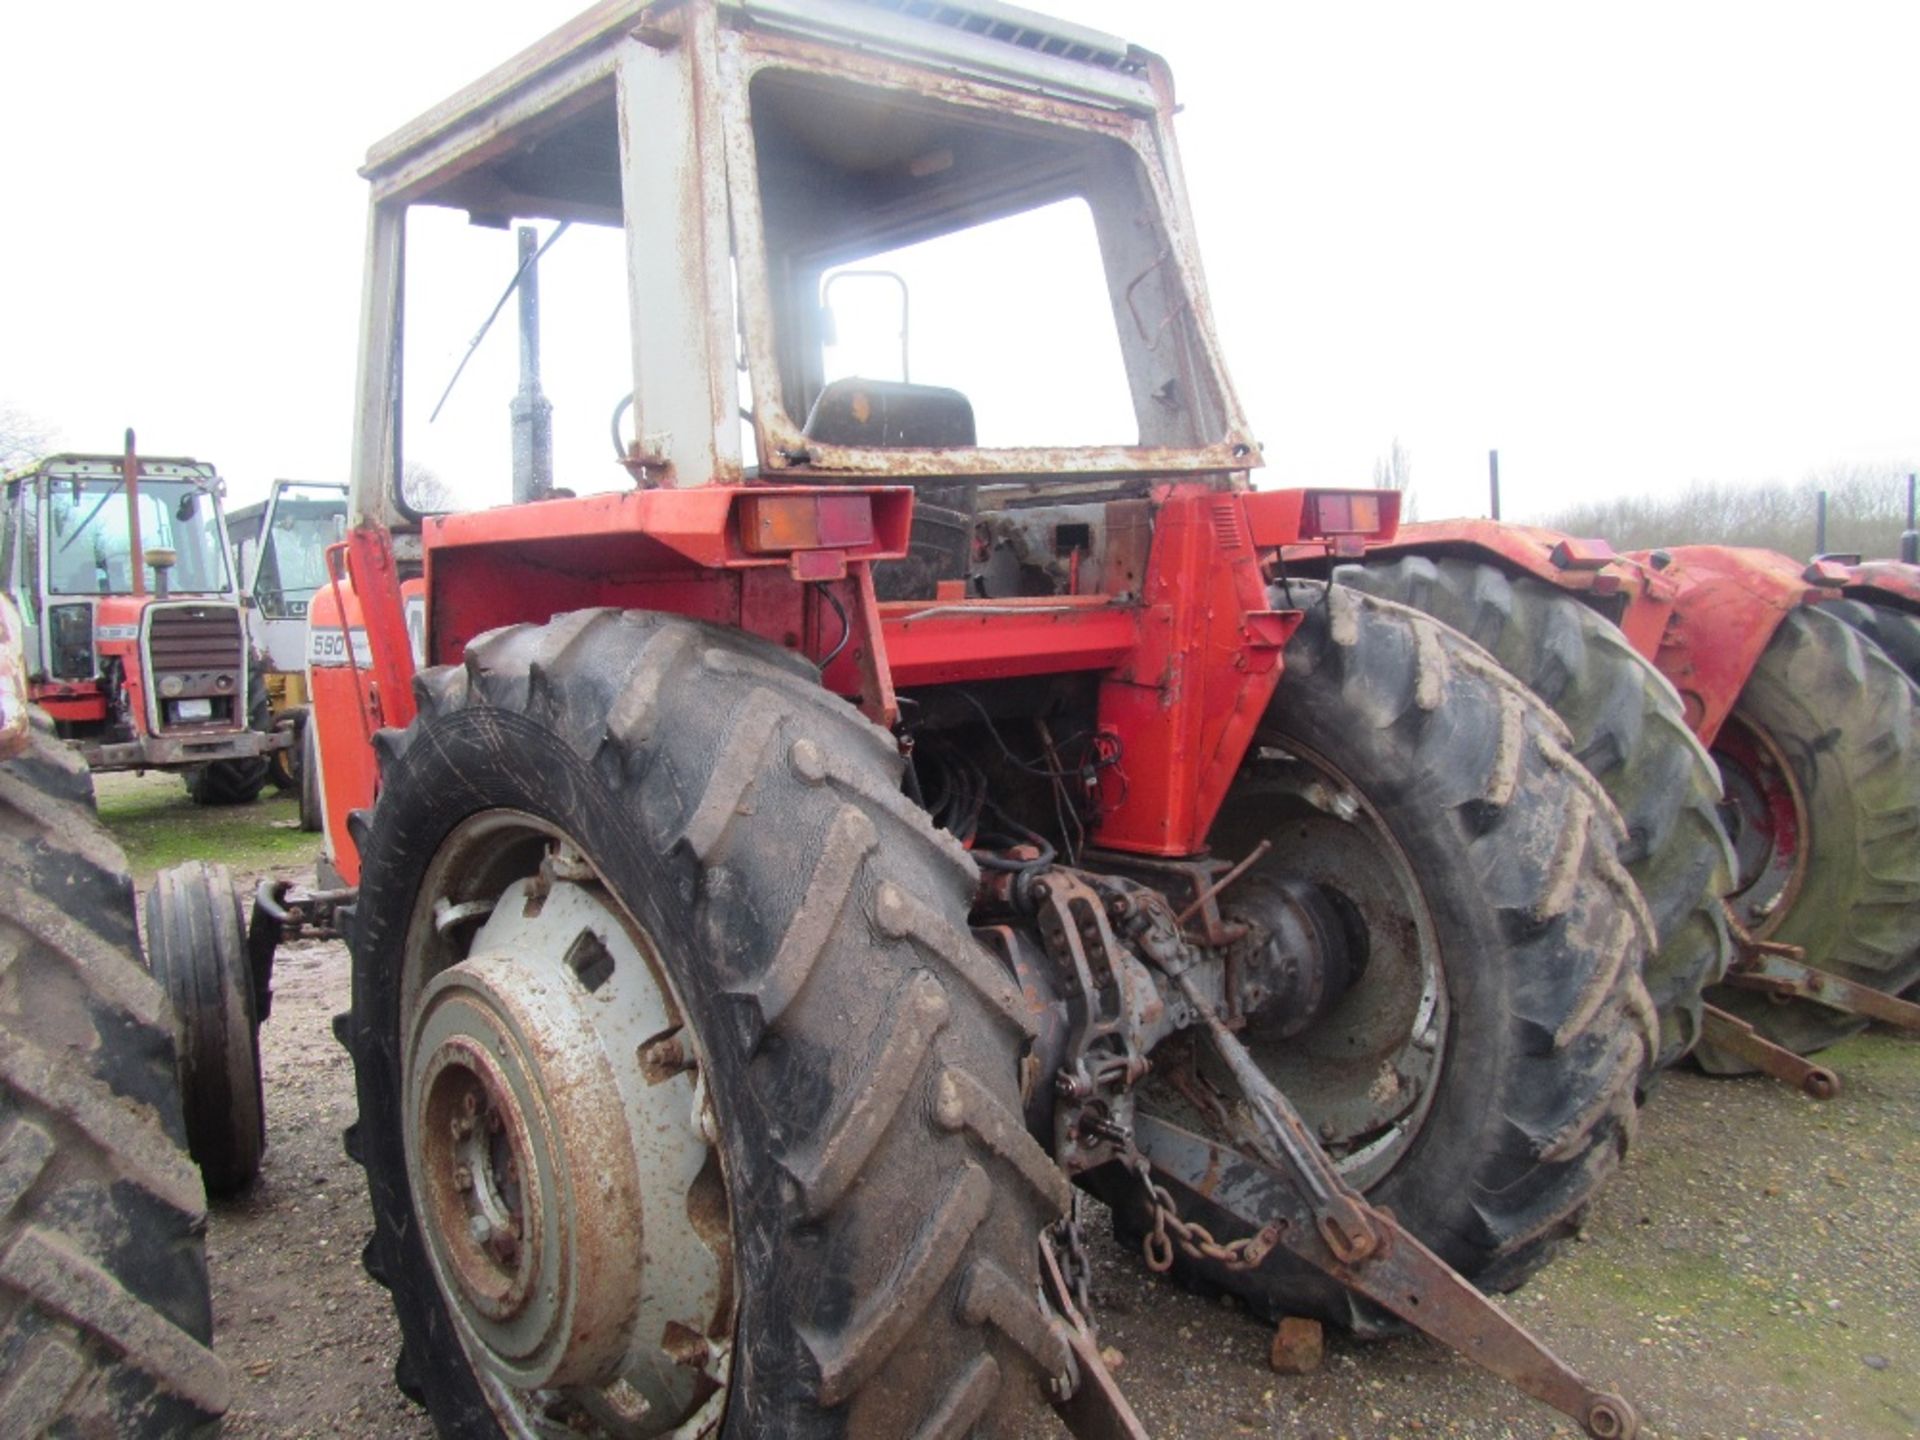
(1363, 1077)
(1764, 816)
(560, 1144)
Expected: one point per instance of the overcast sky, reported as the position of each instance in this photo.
(1629, 245)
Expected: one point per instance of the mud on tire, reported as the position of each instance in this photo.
(105, 1322)
(1539, 929)
(1628, 729)
(862, 1050)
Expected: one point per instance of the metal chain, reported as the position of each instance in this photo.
(1194, 1240)
(1076, 1267)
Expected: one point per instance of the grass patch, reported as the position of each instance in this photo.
(154, 821)
(1877, 1055)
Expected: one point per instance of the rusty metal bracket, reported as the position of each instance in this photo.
(1096, 1410)
(282, 912)
(1737, 1037)
(1301, 1196)
(1777, 969)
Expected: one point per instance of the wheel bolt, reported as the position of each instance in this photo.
(462, 1178)
(480, 1228)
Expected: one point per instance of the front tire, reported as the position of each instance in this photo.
(871, 1196)
(1479, 1078)
(197, 946)
(312, 817)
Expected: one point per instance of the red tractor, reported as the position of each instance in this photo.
(134, 637)
(1781, 852)
(778, 883)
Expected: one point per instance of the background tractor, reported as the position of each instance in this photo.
(132, 621)
(280, 549)
(788, 862)
(1781, 852)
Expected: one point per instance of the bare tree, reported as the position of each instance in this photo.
(1394, 471)
(424, 489)
(1866, 511)
(22, 438)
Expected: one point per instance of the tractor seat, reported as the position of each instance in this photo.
(891, 415)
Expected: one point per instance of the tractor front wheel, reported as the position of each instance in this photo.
(1479, 1075)
(650, 948)
(197, 946)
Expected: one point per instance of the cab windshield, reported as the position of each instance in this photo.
(1013, 279)
(89, 549)
(293, 557)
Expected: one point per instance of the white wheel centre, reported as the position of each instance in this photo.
(574, 1211)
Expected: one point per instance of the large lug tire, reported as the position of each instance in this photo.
(1895, 631)
(312, 817)
(1822, 763)
(878, 1193)
(197, 946)
(237, 782)
(1628, 729)
(1480, 1077)
(105, 1320)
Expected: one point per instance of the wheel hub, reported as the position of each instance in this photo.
(559, 1154)
(1763, 816)
(1364, 1068)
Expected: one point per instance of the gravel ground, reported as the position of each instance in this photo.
(1752, 1275)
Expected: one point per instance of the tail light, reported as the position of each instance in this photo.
(781, 524)
(1372, 514)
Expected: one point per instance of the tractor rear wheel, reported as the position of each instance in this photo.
(648, 937)
(197, 946)
(1821, 758)
(1628, 729)
(105, 1320)
(1479, 1077)
(1895, 631)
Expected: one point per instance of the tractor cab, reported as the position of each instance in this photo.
(952, 255)
(132, 617)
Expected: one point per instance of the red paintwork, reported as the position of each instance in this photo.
(75, 704)
(1185, 702)
(339, 694)
(1187, 667)
(1885, 582)
(1702, 613)
(1728, 603)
